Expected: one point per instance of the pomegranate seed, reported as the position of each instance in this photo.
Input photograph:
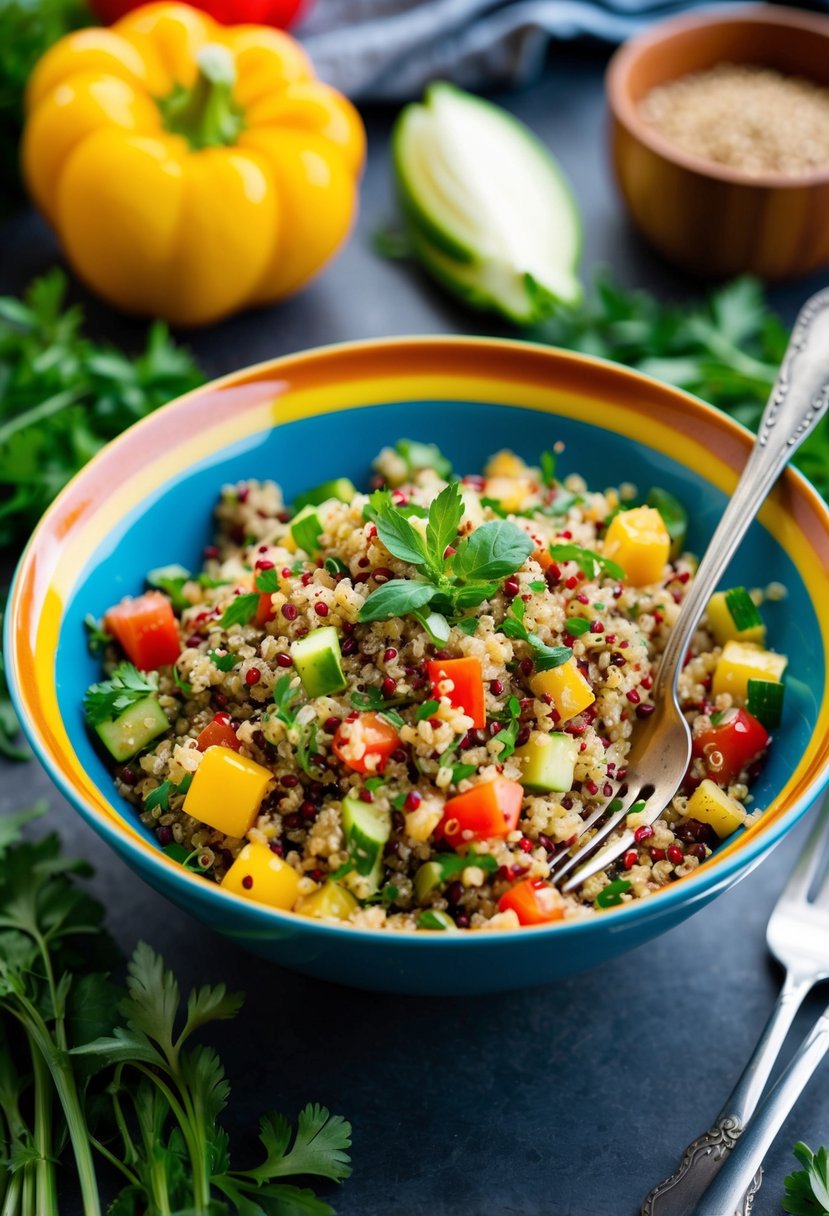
(413, 800)
(382, 574)
(292, 822)
(546, 843)
(308, 810)
(496, 687)
(607, 790)
(210, 552)
(389, 686)
(591, 787)
(675, 855)
(284, 660)
(582, 598)
(128, 776)
(449, 551)
(462, 921)
(657, 854)
(276, 847)
(454, 892)
(253, 676)
(398, 755)
(331, 725)
(247, 882)
(289, 612)
(371, 531)
(698, 850)
(289, 781)
(597, 627)
(389, 655)
(525, 844)
(527, 667)
(553, 573)
(644, 711)
(567, 802)
(349, 646)
(222, 719)
(633, 696)
(262, 564)
(571, 582)
(630, 859)
(321, 609)
(511, 586)
(220, 699)
(164, 835)
(643, 833)
(363, 563)
(193, 641)
(523, 736)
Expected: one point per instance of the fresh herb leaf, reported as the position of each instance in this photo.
(401, 539)
(547, 462)
(184, 686)
(171, 580)
(427, 710)
(306, 532)
(492, 551)
(106, 701)
(306, 749)
(398, 597)
(240, 611)
(591, 564)
(97, 639)
(611, 895)
(545, 657)
(445, 514)
(461, 771)
(417, 455)
(807, 1190)
(538, 586)
(224, 662)
(509, 732)
(159, 797)
(286, 695)
(576, 626)
(267, 581)
(450, 865)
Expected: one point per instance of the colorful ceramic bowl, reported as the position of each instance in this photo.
(147, 500)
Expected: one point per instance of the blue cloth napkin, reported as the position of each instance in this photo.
(388, 50)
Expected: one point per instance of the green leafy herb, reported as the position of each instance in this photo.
(448, 581)
(547, 462)
(374, 699)
(97, 639)
(159, 797)
(450, 865)
(240, 611)
(538, 586)
(591, 564)
(742, 609)
(374, 783)
(576, 626)
(171, 580)
(286, 695)
(611, 895)
(306, 532)
(427, 710)
(63, 396)
(184, 686)
(545, 657)
(224, 662)
(266, 581)
(418, 455)
(306, 749)
(106, 701)
(509, 732)
(461, 771)
(807, 1190)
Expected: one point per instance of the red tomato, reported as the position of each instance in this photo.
(264, 609)
(487, 810)
(731, 745)
(280, 13)
(365, 743)
(533, 901)
(218, 733)
(467, 692)
(146, 630)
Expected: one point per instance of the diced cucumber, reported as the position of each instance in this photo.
(489, 212)
(341, 488)
(134, 729)
(548, 762)
(432, 918)
(318, 661)
(366, 829)
(428, 878)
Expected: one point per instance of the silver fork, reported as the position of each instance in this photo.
(661, 750)
(798, 937)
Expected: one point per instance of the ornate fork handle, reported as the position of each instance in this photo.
(797, 403)
(699, 1166)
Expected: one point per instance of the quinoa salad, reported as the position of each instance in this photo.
(393, 709)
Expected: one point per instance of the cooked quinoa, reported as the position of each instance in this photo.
(241, 681)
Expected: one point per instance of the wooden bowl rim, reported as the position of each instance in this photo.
(626, 111)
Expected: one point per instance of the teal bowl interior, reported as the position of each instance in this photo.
(174, 525)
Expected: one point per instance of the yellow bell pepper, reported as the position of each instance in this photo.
(259, 874)
(710, 804)
(741, 662)
(566, 687)
(329, 900)
(721, 624)
(190, 169)
(226, 791)
(638, 540)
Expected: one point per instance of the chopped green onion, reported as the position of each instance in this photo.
(742, 608)
(426, 710)
(611, 895)
(765, 701)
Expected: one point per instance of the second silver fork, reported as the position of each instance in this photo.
(798, 937)
(661, 750)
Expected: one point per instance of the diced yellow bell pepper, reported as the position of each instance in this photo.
(710, 804)
(510, 492)
(721, 624)
(226, 791)
(259, 874)
(741, 662)
(330, 900)
(421, 823)
(639, 542)
(505, 464)
(567, 687)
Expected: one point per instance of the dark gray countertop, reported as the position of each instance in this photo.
(570, 1100)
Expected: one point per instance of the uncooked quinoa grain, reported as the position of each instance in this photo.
(750, 118)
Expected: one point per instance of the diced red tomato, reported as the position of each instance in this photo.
(365, 743)
(264, 609)
(731, 745)
(467, 691)
(489, 809)
(146, 630)
(218, 733)
(533, 901)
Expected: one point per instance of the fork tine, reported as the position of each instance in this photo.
(810, 861)
(604, 831)
(559, 865)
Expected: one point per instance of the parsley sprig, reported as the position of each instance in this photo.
(807, 1190)
(508, 733)
(544, 656)
(448, 582)
(105, 701)
(590, 563)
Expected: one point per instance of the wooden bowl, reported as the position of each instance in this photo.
(710, 219)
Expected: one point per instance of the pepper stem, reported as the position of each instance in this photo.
(206, 114)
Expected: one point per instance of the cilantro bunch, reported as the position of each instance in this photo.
(92, 1071)
(807, 1190)
(452, 574)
